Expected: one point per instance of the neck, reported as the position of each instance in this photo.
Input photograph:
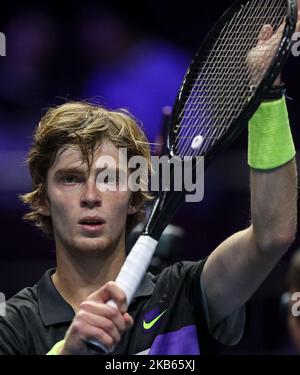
(78, 275)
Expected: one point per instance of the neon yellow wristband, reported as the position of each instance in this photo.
(270, 139)
(56, 348)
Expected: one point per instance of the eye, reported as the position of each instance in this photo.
(71, 179)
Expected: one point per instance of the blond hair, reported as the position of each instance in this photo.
(86, 125)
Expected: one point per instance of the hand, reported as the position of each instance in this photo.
(98, 321)
(259, 58)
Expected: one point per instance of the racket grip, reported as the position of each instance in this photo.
(130, 277)
(136, 265)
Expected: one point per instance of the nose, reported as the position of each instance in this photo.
(90, 196)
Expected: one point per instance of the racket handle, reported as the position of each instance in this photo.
(130, 277)
(136, 265)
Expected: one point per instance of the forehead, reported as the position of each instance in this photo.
(67, 157)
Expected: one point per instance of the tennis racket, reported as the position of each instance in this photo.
(224, 85)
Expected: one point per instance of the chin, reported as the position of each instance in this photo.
(91, 245)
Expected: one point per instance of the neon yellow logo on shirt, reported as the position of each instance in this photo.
(153, 321)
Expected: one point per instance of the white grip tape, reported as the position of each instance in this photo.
(131, 275)
(136, 265)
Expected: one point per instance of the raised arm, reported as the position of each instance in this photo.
(239, 265)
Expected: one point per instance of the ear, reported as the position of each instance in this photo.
(132, 209)
(44, 211)
(44, 208)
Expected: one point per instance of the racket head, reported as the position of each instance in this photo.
(183, 118)
(194, 109)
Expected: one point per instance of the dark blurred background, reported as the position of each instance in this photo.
(132, 55)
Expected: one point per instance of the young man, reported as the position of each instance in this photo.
(187, 307)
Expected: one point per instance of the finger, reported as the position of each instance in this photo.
(278, 34)
(128, 320)
(111, 291)
(77, 335)
(87, 320)
(265, 34)
(276, 37)
(93, 333)
(105, 311)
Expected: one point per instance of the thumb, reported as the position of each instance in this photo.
(265, 34)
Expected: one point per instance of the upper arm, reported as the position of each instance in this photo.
(230, 330)
(232, 273)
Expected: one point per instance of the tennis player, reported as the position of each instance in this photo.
(189, 307)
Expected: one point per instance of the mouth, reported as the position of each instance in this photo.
(91, 224)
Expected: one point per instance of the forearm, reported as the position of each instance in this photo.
(274, 206)
(240, 264)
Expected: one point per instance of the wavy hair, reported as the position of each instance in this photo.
(85, 125)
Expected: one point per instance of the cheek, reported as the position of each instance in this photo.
(118, 203)
(61, 208)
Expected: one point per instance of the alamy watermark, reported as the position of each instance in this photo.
(2, 44)
(168, 174)
(296, 44)
(2, 304)
(295, 297)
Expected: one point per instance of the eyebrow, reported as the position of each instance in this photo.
(77, 171)
(63, 171)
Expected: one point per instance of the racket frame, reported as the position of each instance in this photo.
(271, 74)
(168, 202)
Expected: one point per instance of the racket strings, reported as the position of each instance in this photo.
(209, 137)
(216, 65)
(213, 92)
(218, 93)
(207, 79)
